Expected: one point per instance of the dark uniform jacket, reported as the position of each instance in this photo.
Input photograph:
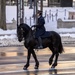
(40, 29)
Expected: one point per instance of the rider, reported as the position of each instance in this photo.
(40, 29)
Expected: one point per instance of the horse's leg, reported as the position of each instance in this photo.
(37, 62)
(28, 59)
(52, 56)
(56, 58)
(51, 59)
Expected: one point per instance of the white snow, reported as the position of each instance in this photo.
(8, 37)
(7, 31)
(51, 25)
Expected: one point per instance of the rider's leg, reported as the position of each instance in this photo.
(40, 42)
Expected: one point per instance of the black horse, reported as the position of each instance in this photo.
(53, 42)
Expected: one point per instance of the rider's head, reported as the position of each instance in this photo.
(39, 12)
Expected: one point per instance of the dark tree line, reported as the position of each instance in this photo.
(3, 14)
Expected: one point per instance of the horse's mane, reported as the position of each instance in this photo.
(25, 26)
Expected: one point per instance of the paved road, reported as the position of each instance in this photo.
(12, 60)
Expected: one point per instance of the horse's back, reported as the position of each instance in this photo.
(50, 34)
(53, 33)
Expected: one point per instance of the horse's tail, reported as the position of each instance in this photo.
(61, 50)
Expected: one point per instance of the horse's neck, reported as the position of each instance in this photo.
(28, 35)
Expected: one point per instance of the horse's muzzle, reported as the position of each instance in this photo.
(19, 40)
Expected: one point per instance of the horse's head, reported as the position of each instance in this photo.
(22, 31)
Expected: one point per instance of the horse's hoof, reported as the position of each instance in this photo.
(24, 68)
(36, 67)
(50, 62)
(53, 67)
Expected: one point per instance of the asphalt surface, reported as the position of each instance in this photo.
(12, 60)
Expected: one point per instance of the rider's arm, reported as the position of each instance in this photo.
(41, 22)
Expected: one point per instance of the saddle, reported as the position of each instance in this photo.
(46, 34)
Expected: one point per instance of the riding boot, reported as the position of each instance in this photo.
(40, 42)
